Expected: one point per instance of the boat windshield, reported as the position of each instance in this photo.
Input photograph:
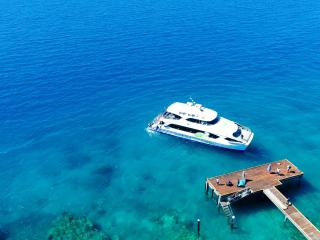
(214, 121)
(169, 115)
(237, 133)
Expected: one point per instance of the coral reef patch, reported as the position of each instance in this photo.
(172, 227)
(72, 227)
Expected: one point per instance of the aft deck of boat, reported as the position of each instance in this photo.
(261, 179)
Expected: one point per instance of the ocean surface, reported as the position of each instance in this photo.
(80, 80)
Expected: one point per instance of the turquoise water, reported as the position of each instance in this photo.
(81, 80)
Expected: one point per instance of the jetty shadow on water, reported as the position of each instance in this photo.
(294, 188)
(252, 204)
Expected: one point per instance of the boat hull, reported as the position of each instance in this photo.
(235, 146)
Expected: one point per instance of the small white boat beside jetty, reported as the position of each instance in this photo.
(194, 122)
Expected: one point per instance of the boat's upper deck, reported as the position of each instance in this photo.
(192, 110)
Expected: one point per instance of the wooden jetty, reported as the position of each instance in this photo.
(264, 178)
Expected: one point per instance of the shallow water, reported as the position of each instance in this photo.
(81, 80)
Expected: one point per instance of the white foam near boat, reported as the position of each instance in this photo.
(194, 122)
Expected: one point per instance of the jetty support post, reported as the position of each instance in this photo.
(299, 180)
(198, 228)
(219, 203)
(232, 222)
(219, 200)
(207, 186)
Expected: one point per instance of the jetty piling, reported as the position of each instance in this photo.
(198, 221)
(260, 179)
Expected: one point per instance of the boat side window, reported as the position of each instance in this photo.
(237, 133)
(194, 120)
(214, 121)
(191, 130)
(169, 115)
(211, 135)
(186, 129)
(232, 140)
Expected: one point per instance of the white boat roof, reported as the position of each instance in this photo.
(192, 110)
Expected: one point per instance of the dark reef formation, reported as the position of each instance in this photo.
(103, 175)
(71, 227)
(74, 157)
(3, 235)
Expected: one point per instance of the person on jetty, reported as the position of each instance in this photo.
(229, 183)
(243, 175)
(269, 168)
(288, 168)
(278, 171)
(218, 181)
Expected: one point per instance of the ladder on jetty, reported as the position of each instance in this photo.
(293, 214)
(226, 208)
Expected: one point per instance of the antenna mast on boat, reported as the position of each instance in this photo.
(193, 102)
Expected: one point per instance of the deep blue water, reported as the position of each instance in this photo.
(80, 80)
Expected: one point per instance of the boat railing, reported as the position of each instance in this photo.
(243, 127)
(152, 125)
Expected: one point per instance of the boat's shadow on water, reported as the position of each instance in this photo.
(256, 152)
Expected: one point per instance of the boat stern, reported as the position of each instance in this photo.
(154, 125)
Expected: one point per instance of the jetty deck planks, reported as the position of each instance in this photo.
(258, 178)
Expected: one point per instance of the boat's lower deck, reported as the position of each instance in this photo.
(201, 138)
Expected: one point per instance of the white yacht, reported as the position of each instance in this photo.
(194, 122)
